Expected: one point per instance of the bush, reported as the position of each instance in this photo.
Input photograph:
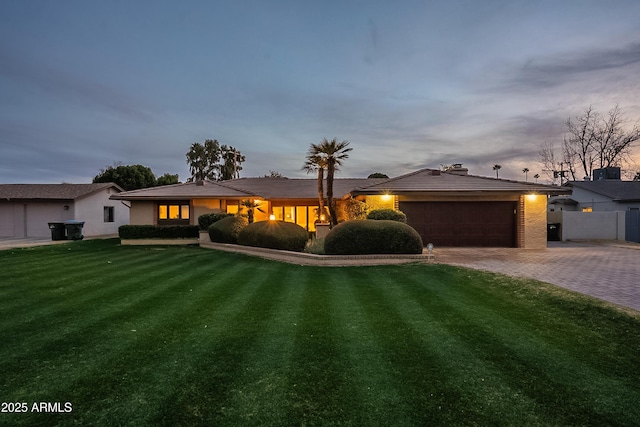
(205, 221)
(274, 235)
(372, 237)
(315, 246)
(227, 229)
(157, 232)
(387, 214)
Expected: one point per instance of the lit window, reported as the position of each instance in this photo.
(589, 209)
(173, 213)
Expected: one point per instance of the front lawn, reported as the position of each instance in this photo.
(189, 336)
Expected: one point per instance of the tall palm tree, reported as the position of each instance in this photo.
(316, 163)
(497, 168)
(327, 155)
(525, 171)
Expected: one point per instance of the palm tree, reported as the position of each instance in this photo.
(497, 168)
(327, 155)
(251, 205)
(525, 171)
(316, 163)
(536, 176)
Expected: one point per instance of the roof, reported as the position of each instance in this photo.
(51, 191)
(434, 180)
(422, 181)
(618, 191)
(190, 190)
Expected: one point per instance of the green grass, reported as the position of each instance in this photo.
(188, 336)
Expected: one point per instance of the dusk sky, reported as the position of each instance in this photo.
(411, 84)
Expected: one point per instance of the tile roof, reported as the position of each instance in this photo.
(434, 180)
(618, 191)
(279, 188)
(186, 191)
(50, 191)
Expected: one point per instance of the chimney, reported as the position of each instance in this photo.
(457, 169)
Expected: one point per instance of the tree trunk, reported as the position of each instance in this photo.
(331, 169)
(320, 191)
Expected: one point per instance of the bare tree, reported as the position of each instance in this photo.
(593, 141)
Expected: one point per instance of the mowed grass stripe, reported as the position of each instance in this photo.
(112, 358)
(220, 361)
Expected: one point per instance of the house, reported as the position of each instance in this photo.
(449, 208)
(605, 208)
(27, 209)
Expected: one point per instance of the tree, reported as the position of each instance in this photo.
(327, 155)
(167, 179)
(596, 141)
(497, 169)
(315, 163)
(129, 177)
(231, 163)
(214, 162)
(536, 176)
(274, 174)
(525, 171)
(251, 205)
(377, 175)
(203, 160)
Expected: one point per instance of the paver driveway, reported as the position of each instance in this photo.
(603, 270)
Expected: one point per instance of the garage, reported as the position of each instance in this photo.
(453, 224)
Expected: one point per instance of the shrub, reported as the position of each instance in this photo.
(387, 214)
(227, 229)
(274, 235)
(205, 221)
(157, 232)
(372, 237)
(315, 246)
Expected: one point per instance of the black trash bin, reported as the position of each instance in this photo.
(553, 232)
(57, 230)
(74, 229)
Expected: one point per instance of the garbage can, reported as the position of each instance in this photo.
(74, 229)
(57, 230)
(553, 232)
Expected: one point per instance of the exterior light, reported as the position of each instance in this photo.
(532, 197)
(322, 218)
(272, 217)
(386, 197)
(430, 256)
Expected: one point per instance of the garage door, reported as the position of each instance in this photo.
(488, 224)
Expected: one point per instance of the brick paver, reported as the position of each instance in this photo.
(604, 270)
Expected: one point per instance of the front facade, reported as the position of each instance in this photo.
(27, 209)
(446, 208)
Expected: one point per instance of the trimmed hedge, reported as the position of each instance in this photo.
(363, 237)
(205, 221)
(227, 229)
(158, 232)
(281, 235)
(387, 214)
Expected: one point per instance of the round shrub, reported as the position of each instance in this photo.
(281, 235)
(387, 214)
(227, 229)
(372, 237)
(205, 221)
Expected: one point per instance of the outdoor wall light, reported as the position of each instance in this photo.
(532, 197)
(386, 197)
(65, 207)
(272, 217)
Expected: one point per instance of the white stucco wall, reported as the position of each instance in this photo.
(593, 225)
(90, 209)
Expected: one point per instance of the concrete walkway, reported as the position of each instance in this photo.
(604, 270)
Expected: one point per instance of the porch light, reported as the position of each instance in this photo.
(386, 197)
(532, 197)
(272, 217)
(322, 218)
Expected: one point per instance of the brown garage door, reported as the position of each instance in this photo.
(488, 224)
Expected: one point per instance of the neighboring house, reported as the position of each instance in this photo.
(27, 209)
(447, 208)
(605, 208)
(607, 195)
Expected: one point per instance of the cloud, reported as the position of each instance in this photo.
(546, 72)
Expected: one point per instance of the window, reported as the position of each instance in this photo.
(587, 209)
(173, 213)
(109, 214)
